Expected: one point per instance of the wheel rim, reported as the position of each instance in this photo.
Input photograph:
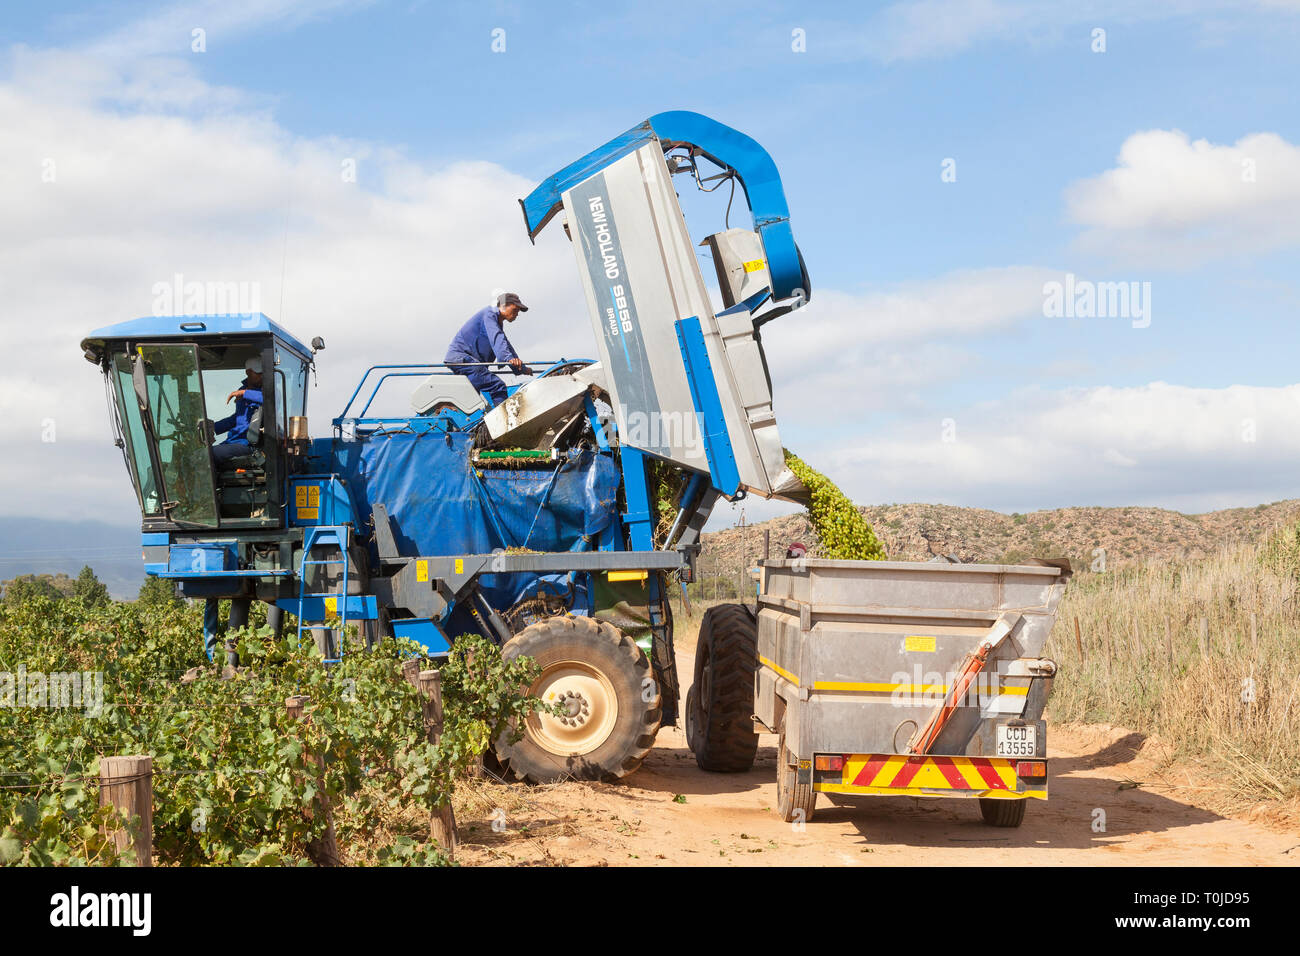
(591, 709)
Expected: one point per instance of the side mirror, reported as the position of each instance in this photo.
(318, 344)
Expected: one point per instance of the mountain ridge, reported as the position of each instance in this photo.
(1085, 534)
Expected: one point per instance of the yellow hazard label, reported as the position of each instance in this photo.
(313, 495)
(421, 570)
(919, 642)
(307, 514)
(332, 605)
(460, 565)
(754, 265)
(300, 496)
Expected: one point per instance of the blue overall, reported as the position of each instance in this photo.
(236, 443)
(482, 339)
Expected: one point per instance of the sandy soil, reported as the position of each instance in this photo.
(672, 813)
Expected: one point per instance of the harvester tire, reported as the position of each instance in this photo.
(1002, 813)
(613, 699)
(720, 704)
(795, 802)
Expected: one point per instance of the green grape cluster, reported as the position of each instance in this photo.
(845, 534)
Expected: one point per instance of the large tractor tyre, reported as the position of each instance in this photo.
(1002, 813)
(612, 701)
(795, 801)
(720, 704)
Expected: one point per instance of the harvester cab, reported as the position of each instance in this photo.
(170, 382)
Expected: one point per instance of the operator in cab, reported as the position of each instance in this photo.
(483, 340)
(247, 399)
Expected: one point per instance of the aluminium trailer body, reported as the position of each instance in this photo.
(885, 678)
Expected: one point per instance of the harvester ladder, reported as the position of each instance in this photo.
(336, 538)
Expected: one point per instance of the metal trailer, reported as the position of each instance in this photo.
(680, 399)
(884, 678)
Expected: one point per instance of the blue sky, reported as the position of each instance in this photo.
(1114, 165)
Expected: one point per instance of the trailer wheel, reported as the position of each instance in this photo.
(1002, 813)
(795, 801)
(721, 702)
(613, 703)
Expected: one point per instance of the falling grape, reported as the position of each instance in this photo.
(844, 532)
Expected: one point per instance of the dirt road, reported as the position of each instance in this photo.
(671, 813)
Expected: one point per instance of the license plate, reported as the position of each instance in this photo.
(1017, 741)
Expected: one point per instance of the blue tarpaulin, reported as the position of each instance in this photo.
(439, 503)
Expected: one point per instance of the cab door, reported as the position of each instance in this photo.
(178, 416)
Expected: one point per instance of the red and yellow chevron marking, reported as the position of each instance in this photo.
(921, 776)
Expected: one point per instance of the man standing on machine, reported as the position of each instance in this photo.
(482, 340)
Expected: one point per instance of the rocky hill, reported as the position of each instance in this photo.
(917, 532)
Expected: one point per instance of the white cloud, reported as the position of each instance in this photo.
(843, 328)
(1172, 445)
(1171, 200)
(888, 345)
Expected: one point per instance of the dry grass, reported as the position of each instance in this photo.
(1204, 654)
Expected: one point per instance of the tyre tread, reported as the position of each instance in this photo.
(725, 741)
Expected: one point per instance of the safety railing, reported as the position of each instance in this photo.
(423, 370)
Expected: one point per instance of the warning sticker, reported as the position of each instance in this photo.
(919, 642)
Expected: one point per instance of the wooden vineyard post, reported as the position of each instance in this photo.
(442, 820)
(411, 672)
(324, 851)
(126, 783)
(1078, 641)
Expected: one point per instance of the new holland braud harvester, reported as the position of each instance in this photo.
(553, 524)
